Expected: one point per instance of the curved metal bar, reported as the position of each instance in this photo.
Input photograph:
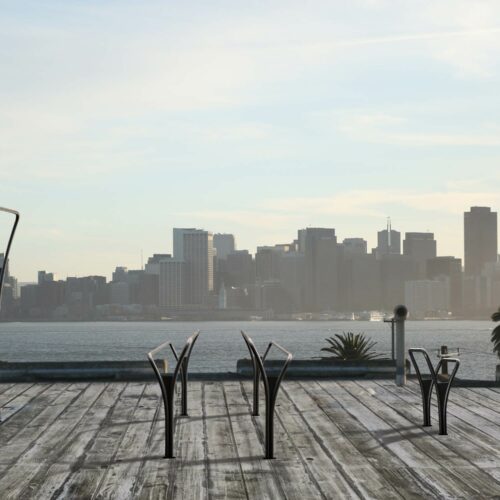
(184, 375)
(167, 384)
(256, 376)
(426, 384)
(442, 391)
(9, 244)
(271, 386)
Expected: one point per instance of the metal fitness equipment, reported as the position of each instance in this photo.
(9, 244)
(271, 387)
(427, 383)
(167, 383)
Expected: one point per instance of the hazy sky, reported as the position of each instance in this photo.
(121, 119)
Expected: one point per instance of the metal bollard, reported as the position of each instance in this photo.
(400, 315)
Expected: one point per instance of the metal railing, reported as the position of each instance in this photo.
(9, 244)
(443, 385)
(271, 387)
(167, 383)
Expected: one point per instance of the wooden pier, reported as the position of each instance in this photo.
(334, 439)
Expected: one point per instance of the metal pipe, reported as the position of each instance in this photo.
(400, 315)
(9, 244)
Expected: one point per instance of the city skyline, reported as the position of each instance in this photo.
(171, 248)
(119, 122)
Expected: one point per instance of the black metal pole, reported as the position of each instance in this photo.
(9, 244)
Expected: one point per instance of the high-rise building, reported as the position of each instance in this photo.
(449, 269)
(321, 270)
(480, 239)
(388, 241)
(224, 244)
(172, 283)
(357, 246)
(195, 248)
(420, 247)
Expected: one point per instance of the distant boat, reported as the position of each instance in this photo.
(376, 316)
(256, 318)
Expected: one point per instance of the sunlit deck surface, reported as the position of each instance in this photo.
(334, 439)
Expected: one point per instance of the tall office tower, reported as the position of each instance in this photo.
(356, 246)
(420, 247)
(388, 241)
(239, 269)
(172, 283)
(44, 277)
(480, 239)
(321, 270)
(449, 269)
(224, 244)
(195, 248)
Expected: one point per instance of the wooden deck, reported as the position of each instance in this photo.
(334, 439)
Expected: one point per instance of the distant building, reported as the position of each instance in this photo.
(480, 239)
(224, 244)
(448, 268)
(120, 274)
(388, 242)
(357, 246)
(321, 271)
(420, 247)
(172, 284)
(426, 298)
(195, 248)
(153, 263)
(44, 277)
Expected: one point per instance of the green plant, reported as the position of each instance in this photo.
(350, 346)
(495, 334)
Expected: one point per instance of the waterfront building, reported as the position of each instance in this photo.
(357, 246)
(195, 248)
(420, 247)
(480, 239)
(172, 284)
(448, 268)
(426, 298)
(224, 244)
(388, 242)
(321, 269)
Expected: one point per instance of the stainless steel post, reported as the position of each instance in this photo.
(400, 315)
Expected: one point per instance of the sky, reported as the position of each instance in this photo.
(120, 120)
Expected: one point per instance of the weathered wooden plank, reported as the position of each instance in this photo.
(50, 479)
(11, 392)
(45, 449)
(225, 475)
(390, 482)
(48, 407)
(472, 480)
(360, 447)
(123, 470)
(92, 466)
(465, 441)
(20, 402)
(422, 465)
(155, 475)
(289, 464)
(260, 478)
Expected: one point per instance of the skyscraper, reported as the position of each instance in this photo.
(321, 272)
(480, 239)
(195, 248)
(420, 247)
(388, 241)
(224, 244)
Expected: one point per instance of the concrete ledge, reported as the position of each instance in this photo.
(327, 368)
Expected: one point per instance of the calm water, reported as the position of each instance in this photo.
(220, 343)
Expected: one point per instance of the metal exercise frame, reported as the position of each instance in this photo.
(427, 383)
(167, 383)
(9, 244)
(271, 387)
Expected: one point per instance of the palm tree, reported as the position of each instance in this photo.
(495, 334)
